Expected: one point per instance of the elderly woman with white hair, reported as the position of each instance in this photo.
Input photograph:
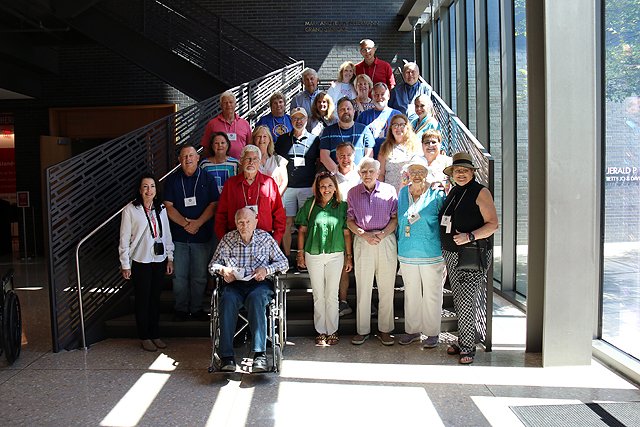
(228, 121)
(420, 254)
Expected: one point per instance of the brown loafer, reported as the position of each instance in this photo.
(385, 338)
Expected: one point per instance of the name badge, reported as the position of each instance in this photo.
(446, 222)
(253, 208)
(298, 162)
(189, 201)
(413, 218)
(232, 136)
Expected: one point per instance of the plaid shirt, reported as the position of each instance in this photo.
(261, 251)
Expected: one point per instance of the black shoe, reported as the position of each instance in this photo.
(228, 364)
(180, 316)
(201, 316)
(259, 363)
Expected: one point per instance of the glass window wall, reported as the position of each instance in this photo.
(621, 186)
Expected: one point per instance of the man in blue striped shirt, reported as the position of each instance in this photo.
(244, 258)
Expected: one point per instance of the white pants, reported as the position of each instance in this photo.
(422, 298)
(324, 274)
(380, 261)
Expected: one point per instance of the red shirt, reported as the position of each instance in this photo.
(379, 71)
(237, 193)
(239, 132)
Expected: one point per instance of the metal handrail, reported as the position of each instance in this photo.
(81, 242)
(251, 111)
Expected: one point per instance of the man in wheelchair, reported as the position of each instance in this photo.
(244, 258)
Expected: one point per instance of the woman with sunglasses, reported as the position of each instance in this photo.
(437, 162)
(420, 254)
(323, 233)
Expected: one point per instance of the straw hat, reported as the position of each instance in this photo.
(460, 159)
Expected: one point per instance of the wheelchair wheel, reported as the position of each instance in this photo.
(277, 363)
(214, 333)
(11, 327)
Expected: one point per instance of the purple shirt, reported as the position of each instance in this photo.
(372, 210)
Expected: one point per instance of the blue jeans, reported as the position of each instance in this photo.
(190, 261)
(254, 296)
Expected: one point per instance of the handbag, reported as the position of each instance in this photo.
(471, 257)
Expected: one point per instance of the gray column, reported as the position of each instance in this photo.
(564, 181)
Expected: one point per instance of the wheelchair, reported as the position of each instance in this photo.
(10, 320)
(276, 323)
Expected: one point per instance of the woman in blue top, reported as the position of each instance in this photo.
(420, 254)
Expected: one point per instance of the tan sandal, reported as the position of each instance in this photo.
(332, 339)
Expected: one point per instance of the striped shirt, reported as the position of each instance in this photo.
(221, 171)
(261, 251)
(358, 135)
(373, 210)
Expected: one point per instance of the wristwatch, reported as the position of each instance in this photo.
(471, 237)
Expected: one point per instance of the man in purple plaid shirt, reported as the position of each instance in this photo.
(372, 217)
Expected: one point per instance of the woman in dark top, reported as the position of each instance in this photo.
(468, 215)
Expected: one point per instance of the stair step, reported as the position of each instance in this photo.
(298, 324)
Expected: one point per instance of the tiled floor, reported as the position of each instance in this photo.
(115, 383)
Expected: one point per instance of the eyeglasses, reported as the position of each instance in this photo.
(324, 174)
(399, 125)
(251, 159)
(298, 119)
(417, 172)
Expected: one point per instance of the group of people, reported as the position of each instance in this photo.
(359, 170)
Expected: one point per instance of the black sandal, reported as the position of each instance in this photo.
(468, 358)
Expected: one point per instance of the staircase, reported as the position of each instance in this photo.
(299, 312)
(194, 50)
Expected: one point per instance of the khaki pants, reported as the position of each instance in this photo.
(379, 261)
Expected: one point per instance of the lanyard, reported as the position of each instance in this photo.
(353, 134)
(152, 229)
(194, 187)
(456, 206)
(246, 202)
(227, 126)
(374, 69)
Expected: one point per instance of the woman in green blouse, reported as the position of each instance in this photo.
(323, 233)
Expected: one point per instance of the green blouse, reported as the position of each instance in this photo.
(325, 227)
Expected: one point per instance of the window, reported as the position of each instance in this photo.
(621, 186)
(522, 146)
(495, 121)
(471, 66)
(452, 56)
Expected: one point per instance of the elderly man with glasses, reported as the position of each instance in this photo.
(374, 67)
(255, 191)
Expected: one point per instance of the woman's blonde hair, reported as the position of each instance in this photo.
(408, 138)
(344, 65)
(270, 148)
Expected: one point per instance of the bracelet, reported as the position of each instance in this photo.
(349, 255)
